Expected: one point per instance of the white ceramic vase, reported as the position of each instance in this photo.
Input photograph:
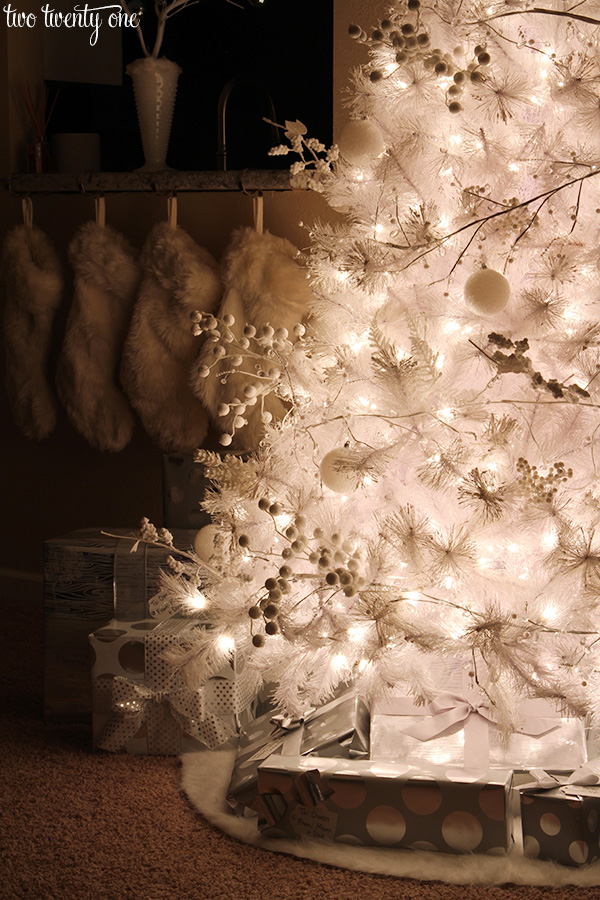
(154, 87)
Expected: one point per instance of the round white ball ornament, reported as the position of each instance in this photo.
(487, 290)
(204, 542)
(334, 476)
(361, 142)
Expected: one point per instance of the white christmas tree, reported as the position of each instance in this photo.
(432, 491)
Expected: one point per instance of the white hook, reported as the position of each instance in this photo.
(172, 211)
(27, 209)
(258, 211)
(100, 205)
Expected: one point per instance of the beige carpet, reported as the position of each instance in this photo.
(80, 826)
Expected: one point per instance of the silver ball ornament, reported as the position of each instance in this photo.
(361, 142)
(487, 290)
(334, 476)
(204, 542)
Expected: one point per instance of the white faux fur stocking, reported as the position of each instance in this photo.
(264, 285)
(107, 276)
(33, 285)
(179, 277)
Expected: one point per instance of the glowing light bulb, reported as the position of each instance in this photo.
(513, 548)
(199, 601)
(226, 644)
(357, 632)
(340, 662)
(455, 139)
(451, 326)
(513, 167)
(390, 68)
(439, 361)
(550, 613)
(363, 664)
(357, 342)
(549, 540)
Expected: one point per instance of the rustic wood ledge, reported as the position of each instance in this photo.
(162, 183)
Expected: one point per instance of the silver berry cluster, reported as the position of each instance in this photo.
(258, 355)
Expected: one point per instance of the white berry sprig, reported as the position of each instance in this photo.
(313, 168)
(258, 356)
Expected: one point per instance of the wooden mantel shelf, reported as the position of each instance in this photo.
(163, 183)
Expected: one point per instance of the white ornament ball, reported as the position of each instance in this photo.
(337, 479)
(361, 142)
(487, 290)
(204, 542)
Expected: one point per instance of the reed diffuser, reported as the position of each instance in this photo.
(39, 110)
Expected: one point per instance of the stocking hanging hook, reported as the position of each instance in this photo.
(27, 209)
(257, 205)
(100, 207)
(172, 210)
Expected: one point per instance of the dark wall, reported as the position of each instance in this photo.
(278, 52)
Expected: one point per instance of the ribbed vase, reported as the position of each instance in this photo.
(154, 87)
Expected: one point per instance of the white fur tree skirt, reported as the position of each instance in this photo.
(205, 778)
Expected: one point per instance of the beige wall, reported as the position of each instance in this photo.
(59, 484)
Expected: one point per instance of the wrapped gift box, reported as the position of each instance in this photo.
(339, 728)
(140, 704)
(562, 824)
(385, 804)
(458, 729)
(89, 579)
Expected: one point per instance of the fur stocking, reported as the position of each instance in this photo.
(107, 276)
(179, 277)
(34, 283)
(264, 285)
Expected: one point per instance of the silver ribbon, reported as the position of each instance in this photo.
(449, 710)
(585, 776)
(133, 701)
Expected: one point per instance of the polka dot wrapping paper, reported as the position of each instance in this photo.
(140, 704)
(372, 803)
(562, 824)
